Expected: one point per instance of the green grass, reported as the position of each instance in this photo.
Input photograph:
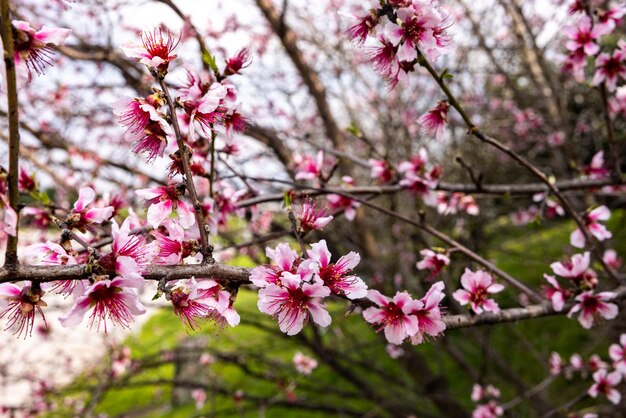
(524, 252)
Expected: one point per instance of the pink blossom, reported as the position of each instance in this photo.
(612, 260)
(488, 410)
(604, 384)
(135, 114)
(339, 202)
(393, 315)
(206, 359)
(575, 63)
(576, 361)
(417, 164)
(596, 169)
(608, 69)
(206, 110)
(591, 307)
(199, 397)
(53, 254)
(163, 200)
(156, 49)
(596, 363)
(428, 314)
(421, 186)
(479, 392)
(468, 204)
(81, 217)
(21, 305)
(524, 217)
(110, 299)
(121, 362)
(303, 363)
(224, 313)
(336, 276)
(583, 36)
(610, 19)
(420, 26)
(129, 254)
(434, 122)
(383, 56)
(556, 293)
(311, 218)
(285, 260)
(292, 301)
(309, 168)
(394, 351)
(617, 103)
(26, 182)
(205, 300)
(617, 352)
(49, 254)
(363, 27)
(574, 268)
(551, 208)
(380, 170)
(601, 213)
(238, 62)
(419, 177)
(8, 223)
(34, 48)
(435, 262)
(173, 248)
(556, 363)
(476, 288)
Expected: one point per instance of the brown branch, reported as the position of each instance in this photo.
(10, 258)
(238, 276)
(311, 79)
(224, 273)
(493, 189)
(536, 64)
(277, 145)
(54, 140)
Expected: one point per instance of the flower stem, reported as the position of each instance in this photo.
(203, 227)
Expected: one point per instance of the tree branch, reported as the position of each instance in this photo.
(14, 134)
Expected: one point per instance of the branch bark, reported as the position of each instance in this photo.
(14, 134)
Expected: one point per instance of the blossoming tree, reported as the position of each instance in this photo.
(405, 168)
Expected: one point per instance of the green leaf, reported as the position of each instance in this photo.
(209, 60)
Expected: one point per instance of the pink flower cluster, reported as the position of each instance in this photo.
(582, 281)
(404, 317)
(292, 289)
(207, 103)
(606, 377)
(584, 40)
(491, 395)
(402, 32)
(117, 275)
(195, 301)
(420, 177)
